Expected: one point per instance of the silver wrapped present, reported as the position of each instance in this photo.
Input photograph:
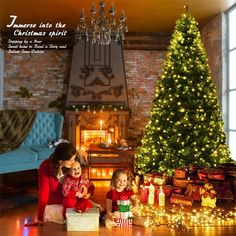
(86, 221)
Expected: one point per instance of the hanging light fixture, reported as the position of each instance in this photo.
(102, 28)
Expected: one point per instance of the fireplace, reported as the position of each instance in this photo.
(86, 128)
(97, 80)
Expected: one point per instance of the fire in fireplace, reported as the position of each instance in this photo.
(87, 128)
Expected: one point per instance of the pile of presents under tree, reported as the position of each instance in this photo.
(197, 184)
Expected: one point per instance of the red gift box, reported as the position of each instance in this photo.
(193, 191)
(181, 182)
(216, 174)
(203, 174)
(181, 199)
(177, 190)
(167, 189)
(123, 222)
(180, 173)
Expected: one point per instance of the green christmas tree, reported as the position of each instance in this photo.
(185, 126)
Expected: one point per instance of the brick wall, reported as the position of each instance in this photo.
(46, 76)
(212, 39)
(142, 70)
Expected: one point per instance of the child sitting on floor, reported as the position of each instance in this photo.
(75, 190)
(120, 190)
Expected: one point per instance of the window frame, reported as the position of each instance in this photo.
(226, 87)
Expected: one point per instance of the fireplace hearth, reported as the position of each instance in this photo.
(86, 128)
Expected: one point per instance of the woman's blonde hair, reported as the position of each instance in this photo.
(115, 176)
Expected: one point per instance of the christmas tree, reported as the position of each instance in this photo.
(185, 125)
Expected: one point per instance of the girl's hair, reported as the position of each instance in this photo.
(63, 152)
(115, 176)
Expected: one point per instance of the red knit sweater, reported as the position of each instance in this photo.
(50, 189)
(114, 196)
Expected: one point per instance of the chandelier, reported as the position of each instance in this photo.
(102, 28)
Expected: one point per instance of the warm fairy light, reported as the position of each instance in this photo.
(186, 77)
(179, 218)
(103, 173)
(109, 141)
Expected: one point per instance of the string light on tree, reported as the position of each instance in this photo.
(185, 125)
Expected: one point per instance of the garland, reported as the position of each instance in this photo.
(98, 107)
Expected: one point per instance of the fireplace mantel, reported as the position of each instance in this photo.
(84, 120)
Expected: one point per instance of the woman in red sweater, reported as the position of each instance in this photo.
(50, 176)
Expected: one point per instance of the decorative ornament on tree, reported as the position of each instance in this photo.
(185, 126)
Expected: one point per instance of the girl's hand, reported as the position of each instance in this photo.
(134, 200)
(79, 194)
(110, 216)
(84, 190)
(34, 223)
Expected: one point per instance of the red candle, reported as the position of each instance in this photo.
(143, 194)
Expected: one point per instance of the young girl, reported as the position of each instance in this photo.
(120, 190)
(75, 190)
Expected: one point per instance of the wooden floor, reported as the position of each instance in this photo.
(12, 219)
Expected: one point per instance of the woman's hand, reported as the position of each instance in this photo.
(35, 223)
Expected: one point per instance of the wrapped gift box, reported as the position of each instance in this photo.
(177, 190)
(86, 221)
(181, 199)
(203, 174)
(180, 173)
(156, 178)
(217, 174)
(193, 191)
(168, 190)
(181, 182)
